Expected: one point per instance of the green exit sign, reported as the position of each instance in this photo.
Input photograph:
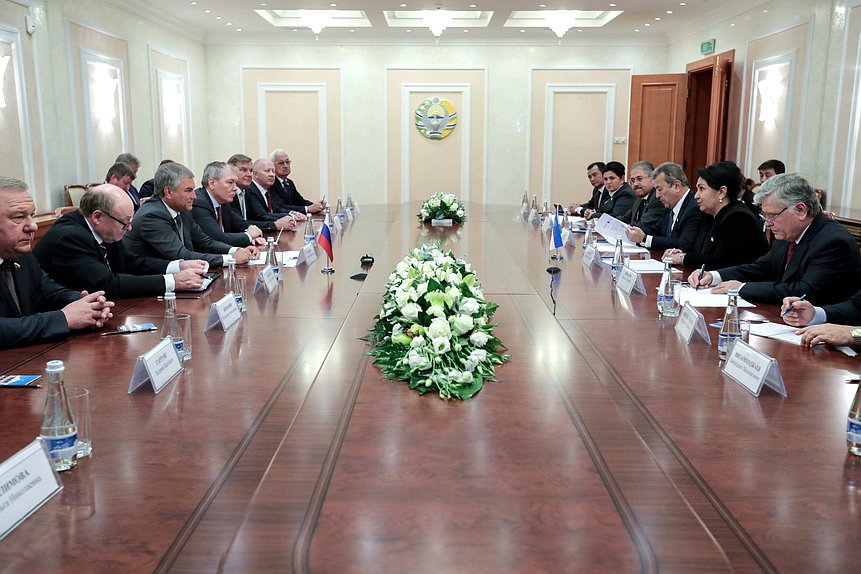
(707, 47)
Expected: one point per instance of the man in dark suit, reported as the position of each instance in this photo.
(285, 196)
(33, 307)
(836, 324)
(218, 188)
(134, 164)
(619, 199)
(811, 253)
(682, 221)
(257, 214)
(595, 175)
(121, 175)
(84, 250)
(163, 227)
(647, 212)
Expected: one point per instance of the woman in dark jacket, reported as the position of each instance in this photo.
(732, 234)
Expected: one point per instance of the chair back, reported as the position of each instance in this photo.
(74, 193)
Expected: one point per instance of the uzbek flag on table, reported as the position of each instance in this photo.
(325, 241)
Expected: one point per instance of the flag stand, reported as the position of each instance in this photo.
(328, 268)
(556, 256)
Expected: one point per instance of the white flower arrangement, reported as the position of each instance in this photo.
(434, 327)
(442, 206)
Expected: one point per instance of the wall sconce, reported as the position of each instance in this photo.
(171, 102)
(560, 21)
(103, 90)
(436, 21)
(316, 20)
(4, 61)
(770, 91)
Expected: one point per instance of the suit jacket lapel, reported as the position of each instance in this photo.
(801, 250)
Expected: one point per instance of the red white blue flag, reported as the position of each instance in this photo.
(325, 241)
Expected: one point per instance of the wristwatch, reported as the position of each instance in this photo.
(856, 336)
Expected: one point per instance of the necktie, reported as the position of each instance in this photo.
(790, 252)
(9, 282)
(104, 252)
(178, 222)
(670, 223)
(241, 196)
(268, 202)
(218, 214)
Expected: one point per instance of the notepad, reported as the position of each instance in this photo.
(777, 331)
(705, 298)
(649, 266)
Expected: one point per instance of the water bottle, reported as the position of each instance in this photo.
(339, 210)
(58, 424)
(229, 274)
(310, 234)
(327, 220)
(730, 329)
(170, 327)
(665, 288)
(535, 201)
(350, 205)
(590, 240)
(853, 425)
(271, 258)
(618, 260)
(525, 200)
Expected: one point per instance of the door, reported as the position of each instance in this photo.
(657, 128)
(707, 110)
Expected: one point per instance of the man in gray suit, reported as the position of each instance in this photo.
(164, 228)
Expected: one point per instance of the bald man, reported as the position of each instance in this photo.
(84, 250)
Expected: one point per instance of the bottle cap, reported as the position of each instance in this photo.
(169, 296)
(229, 260)
(55, 367)
(733, 292)
(668, 260)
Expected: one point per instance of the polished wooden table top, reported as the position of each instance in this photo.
(606, 445)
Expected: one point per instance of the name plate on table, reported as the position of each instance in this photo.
(629, 281)
(224, 312)
(307, 255)
(590, 255)
(159, 366)
(267, 279)
(533, 215)
(548, 224)
(27, 481)
(524, 209)
(691, 322)
(753, 370)
(336, 222)
(441, 222)
(566, 236)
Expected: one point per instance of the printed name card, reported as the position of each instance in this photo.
(224, 312)
(548, 224)
(533, 215)
(27, 481)
(524, 209)
(159, 366)
(336, 222)
(629, 281)
(752, 369)
(267, 279)
(566, 235)
(441, 222)
(590, 254)
(691, 322)
(307, 255)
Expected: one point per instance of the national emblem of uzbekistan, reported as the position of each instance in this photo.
(436, 118)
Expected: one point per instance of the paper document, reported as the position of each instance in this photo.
(627, 248)
(703, 297)
(289, 258)
(612, 229)
(262, 259)
(648, 266)
(777, 331)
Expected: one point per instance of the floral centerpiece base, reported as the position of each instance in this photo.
(442, 206)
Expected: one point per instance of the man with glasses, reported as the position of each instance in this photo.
(84, 250)
(811, 254)
(33, 307)
(647, 212)
(285, 196)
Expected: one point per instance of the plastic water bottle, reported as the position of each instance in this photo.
(618, 260)
(58, 424)
(310, 234)
(665, 288)
(170, 327)
(229, 275)
(730, 329)
(853, 425)
(271, 258)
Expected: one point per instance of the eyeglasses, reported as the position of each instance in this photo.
(283, 162)
(125, 224)
(768, 218)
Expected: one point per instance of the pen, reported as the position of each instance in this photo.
(107, 333)
(277, 239)
(27, 386)
(161, 297)
(702, 272)
(791, 308)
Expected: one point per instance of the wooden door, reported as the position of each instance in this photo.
(707, 110)
(657, 118)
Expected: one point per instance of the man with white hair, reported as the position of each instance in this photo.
(285, 196)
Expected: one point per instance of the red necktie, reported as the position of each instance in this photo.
(220, 222)
(268, 202)
(790, 252)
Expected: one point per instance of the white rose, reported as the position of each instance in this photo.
(417, 342)
(470, 364)
(436, 311)
(401, 298)
(397, 329)
(441, 345)
(481, 321)
(479, 339)
(417, 361)
(422, 289)
(469, 306)
(479, 355)
(411, 311)
(462, 324)
(439, 328)
(460, 213)
(453, 279)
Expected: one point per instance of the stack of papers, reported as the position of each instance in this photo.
(776, 331)
(285, 258)
(705, 298)
(648, 266)
(627, 248)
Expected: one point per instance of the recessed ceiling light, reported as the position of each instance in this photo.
(403, 5)
(765, 11)
(683, 3)
(580, 29)
(229, 24)
(542, 5)
(193, 3)
(351, 30)
(333, 5)
(647, 24)
(263, 3)
(669, 11)
(218, 18)
(612, 5)
(207, 11)
(636, 29)
(295, 29)
(465, 30)
(657, 18)
(239, 29)
(522, 30)
(472, 5)
(408, 30)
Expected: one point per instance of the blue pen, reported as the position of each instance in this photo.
(702, 272)
(791, 308)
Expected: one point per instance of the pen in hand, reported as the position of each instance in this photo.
(791, 308)
(700, 278)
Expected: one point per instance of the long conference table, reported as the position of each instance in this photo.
(606, 445)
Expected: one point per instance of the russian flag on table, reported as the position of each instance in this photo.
(325, 241)
(557, 232)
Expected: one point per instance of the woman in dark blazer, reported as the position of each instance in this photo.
(731, 234)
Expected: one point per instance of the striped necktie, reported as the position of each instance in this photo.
(9, 282)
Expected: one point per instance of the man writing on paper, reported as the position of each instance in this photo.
(84, 250)
(834, 324)
(33, 308)
(682, 222)
(811, 254)
(163, 227)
